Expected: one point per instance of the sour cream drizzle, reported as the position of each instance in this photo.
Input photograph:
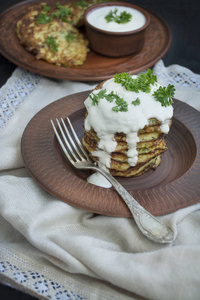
(99, 180)
(97, 19)
(106, 122)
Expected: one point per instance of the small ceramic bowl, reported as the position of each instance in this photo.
(117, 41)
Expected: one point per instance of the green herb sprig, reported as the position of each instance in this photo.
(43, 19)
(136, 102)
(81, 3)
(45, 7)
(70, 37)
(141, 83)
(121, 104)
(62, 13)
(96, 97)
(51, 42)
(122, 18)
(164, 95)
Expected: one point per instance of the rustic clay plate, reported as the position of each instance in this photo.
(173, 185)
(96, 67)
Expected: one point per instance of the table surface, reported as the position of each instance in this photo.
(183, 19)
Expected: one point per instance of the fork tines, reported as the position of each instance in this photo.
(69, 142)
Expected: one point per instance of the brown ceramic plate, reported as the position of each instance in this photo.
(96, 67)
(173, 185)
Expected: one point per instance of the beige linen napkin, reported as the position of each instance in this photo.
(55, 251)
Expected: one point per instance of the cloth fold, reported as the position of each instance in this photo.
(55, 251)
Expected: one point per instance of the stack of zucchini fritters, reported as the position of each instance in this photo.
(150, 140)
(152, 144)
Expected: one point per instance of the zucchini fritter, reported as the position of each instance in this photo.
(51, 39)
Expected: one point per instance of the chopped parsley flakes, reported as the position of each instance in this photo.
(121, 104)
(164, 95)
(70, 37)
(121, 18)
(96, 97)
(81, 3)
(51, 42)
(45, 7)
(43, 19)
(47, 16)
(142, 83)
(62, 13)
(136, 101)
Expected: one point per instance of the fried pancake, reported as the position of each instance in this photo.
(55, 42)
(139, 170)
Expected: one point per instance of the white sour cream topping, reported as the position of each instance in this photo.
(99, 180)
(97, 19)
(106, 122)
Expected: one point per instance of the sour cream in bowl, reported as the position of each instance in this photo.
(116, 29)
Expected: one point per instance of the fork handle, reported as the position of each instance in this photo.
(150, 226)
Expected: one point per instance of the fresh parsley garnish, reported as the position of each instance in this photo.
(136, 101)
(123, 17)
(61, 13)
(70, 37)
(121, 104)
(43, 19)
(111, 97)
(96, 97)
(81, 3)
(45, 7)
(145, 80)
(164, 95)
(141, 83)
(51, 42)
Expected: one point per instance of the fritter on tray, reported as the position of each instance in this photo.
(127, 118)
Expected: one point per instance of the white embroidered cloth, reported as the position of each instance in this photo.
(54, 251)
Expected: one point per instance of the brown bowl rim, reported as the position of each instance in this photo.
(117, 3)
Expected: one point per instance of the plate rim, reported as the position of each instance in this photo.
(58, 74)
(169, 187)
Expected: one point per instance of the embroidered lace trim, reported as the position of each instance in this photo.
(15, 92)
(36, 282)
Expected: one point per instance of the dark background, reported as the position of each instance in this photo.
(183, 18)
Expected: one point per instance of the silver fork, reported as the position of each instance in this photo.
(150, 226)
